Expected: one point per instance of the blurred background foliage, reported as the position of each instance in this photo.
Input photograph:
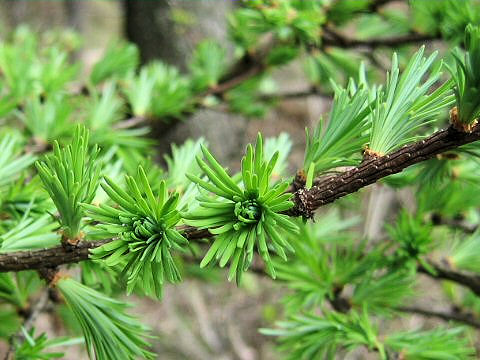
(145, 76)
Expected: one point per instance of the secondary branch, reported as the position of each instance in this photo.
(368, 172)
(468, 280)
(334, 38)
(306, 202)
(446, 316)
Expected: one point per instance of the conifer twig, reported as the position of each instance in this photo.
(306, 202)
(370, 171)
(37, 308)
(457, 317)
(336, 39)
(311, 91)
(458, 224)
(131, 122)
(468, 280)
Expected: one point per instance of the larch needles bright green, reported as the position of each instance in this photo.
(110, 333)
(244, 215)
(467, 78)
(144, 224)
(70, 177)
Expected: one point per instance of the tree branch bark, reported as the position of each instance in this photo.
(334, 187)
(471, 281)
(334, 38)
(59, 255)
(455, 223)
(306, 202)
(467, 319)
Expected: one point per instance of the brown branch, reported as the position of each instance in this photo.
(370, 55)
(370, 171)
(334, 38)
(471, 281)
(232, 82)
(342, 304)
(375, 5)
(457, 317)
(129, 123)
(46, 258)
(312, 91)
(249, 65)
(306, 202)
(59, 255)
(455, 223)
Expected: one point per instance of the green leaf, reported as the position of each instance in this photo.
(440, 343)
(465, 253)
(71, 177)
(345, 133)
(311, 336)
(119, 60)
(30, 233)
(171, 92)
(139, 91)
(11, 163)
(239, 216)
(109, 332)
(40, 347)
(467, 77)
(398, 115)
(207, 64)
(144, 220)
(47, 119)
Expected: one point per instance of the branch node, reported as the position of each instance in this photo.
(300, 180)
(370, 154)
(301, 202)
(70, 244)
(51, 275)
(460, 126)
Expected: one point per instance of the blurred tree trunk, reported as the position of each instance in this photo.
(14, 11)
(150, 26)
(169, 30)
(75, 12)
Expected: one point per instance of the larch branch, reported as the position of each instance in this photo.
(467, 319)
(334, 38)
(306, 202)
(468, 280)
(370, 171)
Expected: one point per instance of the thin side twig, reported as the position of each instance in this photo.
(334, 38)
(446, 316)
(471, 281)
(35, 311)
